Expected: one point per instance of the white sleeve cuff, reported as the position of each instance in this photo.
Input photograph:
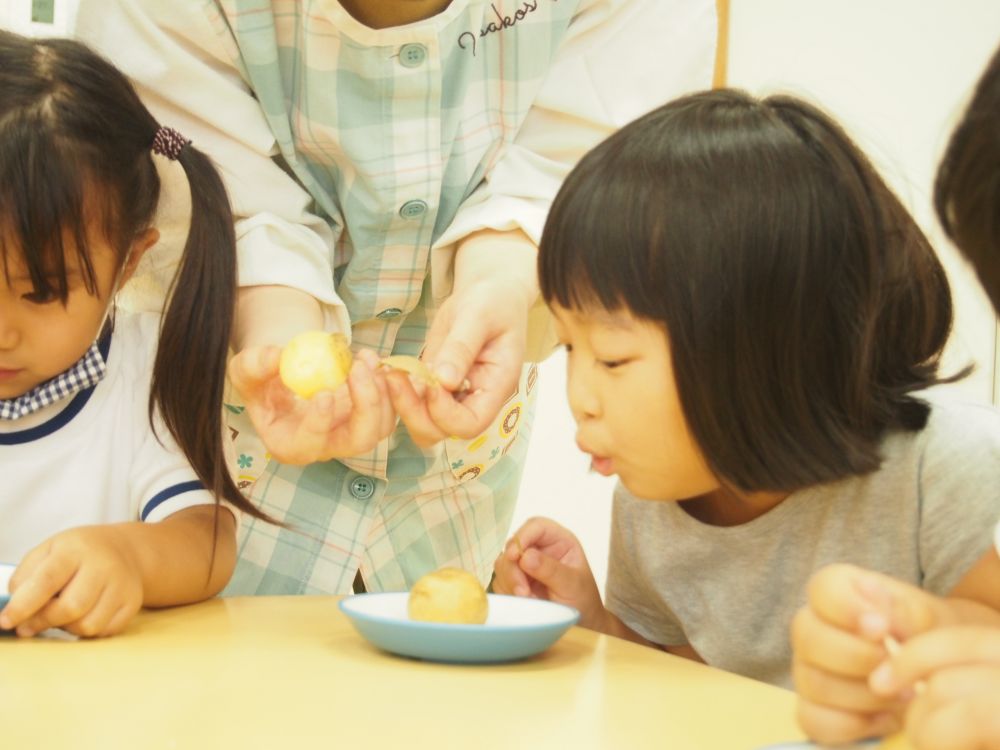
(273, 251)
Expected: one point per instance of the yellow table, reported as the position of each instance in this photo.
(291, 672)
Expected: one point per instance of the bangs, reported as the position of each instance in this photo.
(597, 246)
(44, 206)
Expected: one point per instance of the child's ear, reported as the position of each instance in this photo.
(142, 243)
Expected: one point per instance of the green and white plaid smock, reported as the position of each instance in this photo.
(357, 158)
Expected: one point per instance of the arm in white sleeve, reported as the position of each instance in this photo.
(619, 60)
(185, 72)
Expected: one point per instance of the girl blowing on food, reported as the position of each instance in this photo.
(111, 443)
(748, 314)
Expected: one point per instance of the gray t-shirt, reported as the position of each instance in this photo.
(730, 592)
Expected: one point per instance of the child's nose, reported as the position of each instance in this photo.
(583, 401)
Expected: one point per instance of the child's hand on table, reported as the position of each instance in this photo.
(546, 561)
(957, 706)
(85, 580)
(839, 637)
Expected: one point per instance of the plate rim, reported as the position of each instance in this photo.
(571, 615)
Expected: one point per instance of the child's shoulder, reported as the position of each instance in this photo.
(954, 417)
(956, 430)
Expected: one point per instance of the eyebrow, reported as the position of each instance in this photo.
(606, 318)
(25, 277)
(614, 320)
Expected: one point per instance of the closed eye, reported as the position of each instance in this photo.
(40, 298)
(612, 364)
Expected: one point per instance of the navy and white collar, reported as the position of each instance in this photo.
(85, 373)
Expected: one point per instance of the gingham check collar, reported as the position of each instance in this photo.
(86, 373)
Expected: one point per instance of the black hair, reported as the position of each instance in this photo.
(75, 158)
(967, 188)
(801, 303)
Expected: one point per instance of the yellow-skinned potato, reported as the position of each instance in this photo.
(449, 595)
(315, 361)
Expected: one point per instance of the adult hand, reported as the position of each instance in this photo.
(479, 336)
(333, 424)
(839, 637)
(86, 580)
(543, 560)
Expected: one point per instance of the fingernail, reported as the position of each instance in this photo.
(882, 680)
(873, 625)
(446, 372)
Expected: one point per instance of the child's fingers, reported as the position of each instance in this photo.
(75, 600)
(820, 644)
(839, 595)
(830, 726)
(32, 590)
(564, 582)
(119, 620)
(543, 533)
(923, 655)
(96, 620)
(837, 691)
(510, 579)
(869, 603)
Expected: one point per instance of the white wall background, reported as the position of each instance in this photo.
(895, 72)
(17, 15)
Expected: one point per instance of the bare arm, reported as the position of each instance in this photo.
(92, 580)
(175, 556)
(271, 315)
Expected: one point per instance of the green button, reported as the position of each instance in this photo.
(389, 312)
(413, 209)
(362, 487)
(412, 55)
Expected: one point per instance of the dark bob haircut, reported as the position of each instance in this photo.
(967, 190)
(802, 304)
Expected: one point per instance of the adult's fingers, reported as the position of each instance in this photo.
(824, 646)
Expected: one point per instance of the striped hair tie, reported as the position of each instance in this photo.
(169, 143)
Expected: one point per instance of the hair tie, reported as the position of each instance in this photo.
(169, 143)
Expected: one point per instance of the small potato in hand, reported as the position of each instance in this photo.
(449, 595)
(315, 361)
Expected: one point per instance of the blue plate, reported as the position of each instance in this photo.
(515, 628)
(5, 573)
